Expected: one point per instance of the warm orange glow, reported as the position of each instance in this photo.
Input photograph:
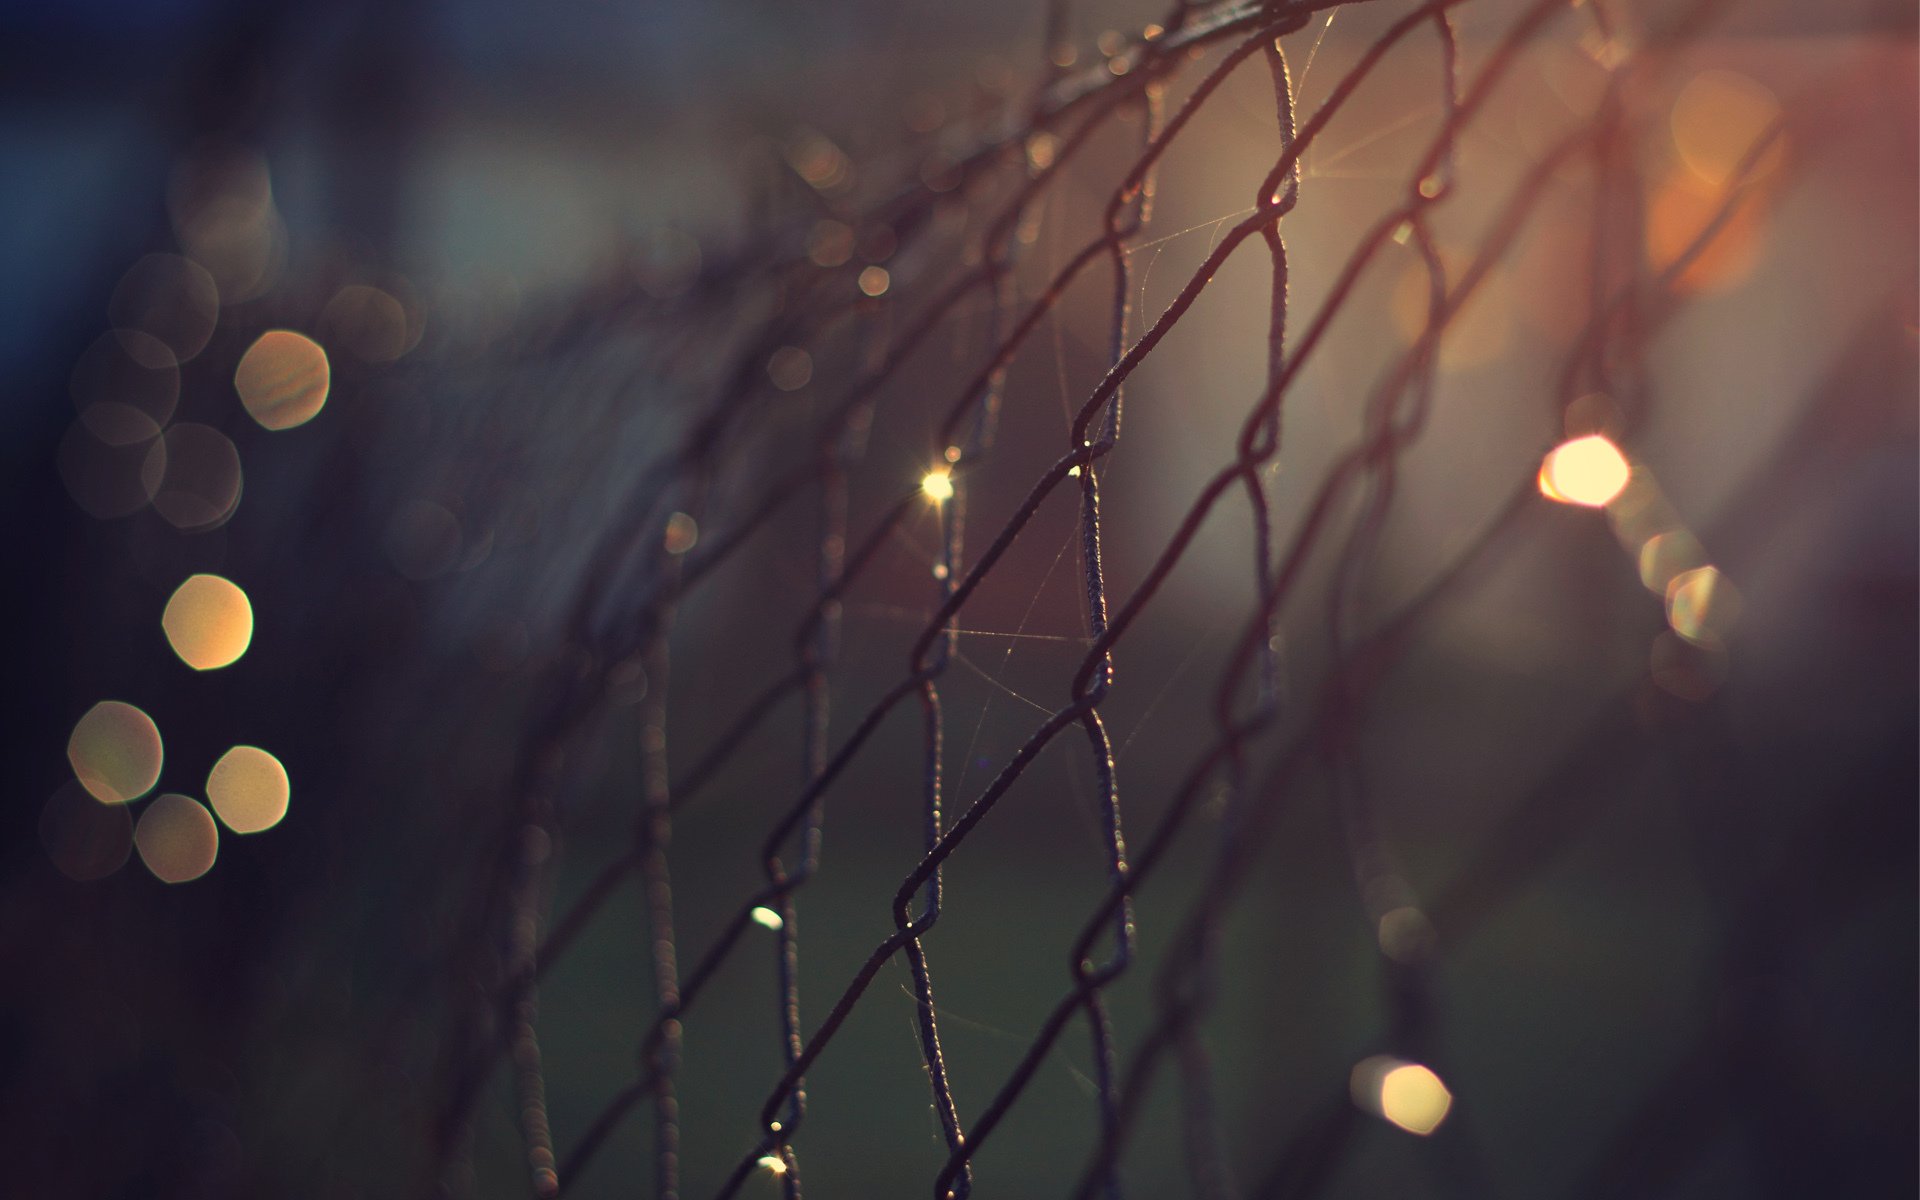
(1715, 121)
(177, 838)
(1680, 210)
(938, 485)
(282, 379)
(874, 281)
(249, 789)
(1589, 471)
(208, 622)
(116, 752)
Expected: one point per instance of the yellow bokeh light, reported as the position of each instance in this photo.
(249, 789)
(772, 1165)
(1589, 471)
(208, 622)
(1413, 1098)
(1701, 606)
(938, 485)
(1402, 1093)
(282, 379)
(176, 838)
(1041, 148)
(874, 281)
(116, 752)
(766, 917)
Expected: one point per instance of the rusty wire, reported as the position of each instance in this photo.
(625, 606)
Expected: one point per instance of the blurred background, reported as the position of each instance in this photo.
(339, 339)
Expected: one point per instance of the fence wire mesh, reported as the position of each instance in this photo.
(996, 678)
(961, 231)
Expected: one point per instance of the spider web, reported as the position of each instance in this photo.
(917, 681)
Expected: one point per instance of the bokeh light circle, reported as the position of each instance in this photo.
(221, 200)
(116, 752)
(177, 838)
(249, 789)
(370, 323)
(125, 385)
(1588, 471)
(790, 368)
(193, 475)
(169, 298)
(282, 379)
(1412, 1097)
(208, 622)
